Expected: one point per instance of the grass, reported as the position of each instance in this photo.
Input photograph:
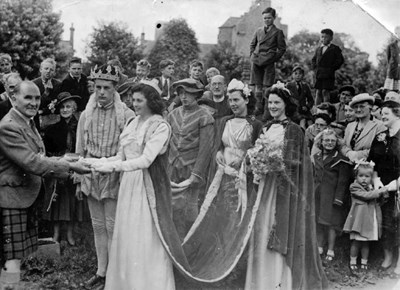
(78, 264)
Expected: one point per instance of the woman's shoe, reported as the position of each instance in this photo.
(354, 269)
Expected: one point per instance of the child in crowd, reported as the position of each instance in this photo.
(332, 179)
(301, 94)
(364, 218)
(142, 71)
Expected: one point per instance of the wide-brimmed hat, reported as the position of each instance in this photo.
(189, 85)
(65, 96)
(348, 88)
(362, 98)
(122, 89)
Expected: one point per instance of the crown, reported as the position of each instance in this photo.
(105, 72)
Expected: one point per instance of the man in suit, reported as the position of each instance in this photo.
(10, 82)
(76, 83)
(167, 68)
(346, 94)
(49, 88)
(22, 165)
(266, 48)
(327, 59)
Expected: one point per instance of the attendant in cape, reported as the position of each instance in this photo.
(283, 252)
(138, 259)
(189, 153)
(60, 139)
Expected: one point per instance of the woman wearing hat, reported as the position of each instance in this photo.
(59, 139)
(385, 153)
(189, 153)
(283, 251)
(359, 134)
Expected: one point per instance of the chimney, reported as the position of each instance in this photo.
(142, 40)
(71, 35)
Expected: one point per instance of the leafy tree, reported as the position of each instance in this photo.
(226, 60)
(177, 42)
(113, 40)
(30, 32)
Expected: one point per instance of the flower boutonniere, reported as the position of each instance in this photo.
(52, 106)
(381, 137)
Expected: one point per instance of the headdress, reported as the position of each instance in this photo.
(365, 163)
(236, 85)
(281, 86)
(105, 72)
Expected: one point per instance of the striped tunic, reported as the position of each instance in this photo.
(102, 141)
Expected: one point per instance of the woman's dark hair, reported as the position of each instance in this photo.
(284, 94)
(154, 101)
(251, 105)
(328, 107)
(324, 117)
(393, 106)
(270, 10)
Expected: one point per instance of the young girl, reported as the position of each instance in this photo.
(363, 221)
(332, 173)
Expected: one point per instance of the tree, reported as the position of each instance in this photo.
(30, 32)
(226, 60)
(113, 40)
(177, 42)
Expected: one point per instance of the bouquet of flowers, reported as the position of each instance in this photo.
(266, 156)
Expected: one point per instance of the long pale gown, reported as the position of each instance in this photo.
(138, 259)
(267, 269)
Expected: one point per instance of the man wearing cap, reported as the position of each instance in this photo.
(5, 68)
(125, 91)
(346, 94)
(99, 128)
(327, 59)
(76, 82)
(302, 96)
(189, 152)
(49, 89)
(359, 134)
(22, 165)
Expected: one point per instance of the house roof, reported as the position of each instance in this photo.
(231, 22)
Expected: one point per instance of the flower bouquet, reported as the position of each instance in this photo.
(265, 157)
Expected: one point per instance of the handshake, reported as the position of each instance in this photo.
(86, 165)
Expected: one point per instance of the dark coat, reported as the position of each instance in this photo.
(55, 137)
(271, 43)
(392, 53)
(361, 216)
(22, 163)
(164, 94)
(326, 64)
(74, 87)
(5, 106)
(47, 98)
(303, 98)
(332, 177)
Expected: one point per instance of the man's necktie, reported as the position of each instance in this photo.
(165, 89)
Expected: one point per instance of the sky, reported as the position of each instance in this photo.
(368, 21)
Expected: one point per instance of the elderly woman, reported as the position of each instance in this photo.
(283, 251)
(332, 172)
(59, 139)
(189, 153)
(359, 135)
(385, 152)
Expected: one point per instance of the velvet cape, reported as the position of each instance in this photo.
(213, 246)
(294, 232)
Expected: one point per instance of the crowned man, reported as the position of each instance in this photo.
(99, 127)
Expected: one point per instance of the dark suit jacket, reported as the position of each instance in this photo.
(77, 88)
(22, 163)
(164, 94)
(271, 42)
(47, 98)
(304, 97)
(326, 64)
(5, 106)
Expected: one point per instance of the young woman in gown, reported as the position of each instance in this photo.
(283, 251)
(138, 259)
